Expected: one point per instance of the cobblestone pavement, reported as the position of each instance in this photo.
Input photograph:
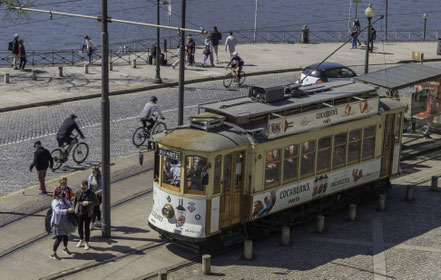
(400, 243)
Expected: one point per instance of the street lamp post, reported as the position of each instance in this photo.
(369, 13)
(425, 21)
(158, 47)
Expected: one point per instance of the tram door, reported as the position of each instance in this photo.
(388, 145)
(230, 206)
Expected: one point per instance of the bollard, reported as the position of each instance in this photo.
(6, 78)
(86, 69)
(285, 236)
(382, 202)
(320, 223)
(134, 63)
(206, 264)
(409, 193)
(162, 275)
(352, 212)
(60, 71)
(248, 249)
(111, 66)
(34, 75)
(434, 185)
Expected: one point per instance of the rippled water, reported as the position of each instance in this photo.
(40, 33)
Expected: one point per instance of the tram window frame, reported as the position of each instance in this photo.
(311, 155)
(191, 164)
(397, 128)
(217, 178)
(290, 158)
(340, 145)
(276, 166)
(321, 150)
(368, 138)
(166, 185)
(354, 146)
(156, 167)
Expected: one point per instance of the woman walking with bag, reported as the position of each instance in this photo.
(95, 184)
(208, 50)
(61, 226)
(84, 202)
(90, 47)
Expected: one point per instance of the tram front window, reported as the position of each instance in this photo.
(171, 172)
(196, 174)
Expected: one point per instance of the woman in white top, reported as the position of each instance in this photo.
(90, 48)
(61, 226)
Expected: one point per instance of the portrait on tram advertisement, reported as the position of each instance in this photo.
(320, 186)
(262, 208)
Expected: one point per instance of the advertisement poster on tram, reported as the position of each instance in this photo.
(321, 185)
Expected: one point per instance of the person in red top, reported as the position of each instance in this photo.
(67, 190)
(191, 49)
(22, 55)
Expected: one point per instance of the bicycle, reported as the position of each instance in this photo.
(80, 152)
(228, 80)
(141, 134)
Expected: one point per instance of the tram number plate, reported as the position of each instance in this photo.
(193, 229)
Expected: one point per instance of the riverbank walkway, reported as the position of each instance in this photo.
(49, 88)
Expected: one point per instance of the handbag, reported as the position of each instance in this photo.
(71, 217)
(206, 51)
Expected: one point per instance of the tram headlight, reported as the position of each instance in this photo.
(167, 211)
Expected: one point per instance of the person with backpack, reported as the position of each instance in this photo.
(15, 51)
(216, 36)
(90, 47)
(208, 50)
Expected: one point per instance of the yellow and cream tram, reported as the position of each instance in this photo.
(259, 157)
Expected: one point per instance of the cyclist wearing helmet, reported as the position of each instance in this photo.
(150, 109)
(236, 63)
(64, 134)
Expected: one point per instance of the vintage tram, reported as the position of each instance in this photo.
(259, 160)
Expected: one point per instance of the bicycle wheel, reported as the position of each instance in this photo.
(228, 80)
(242, 78)
(80, 152)
(58, 157)
(139, 136)
(158, 128)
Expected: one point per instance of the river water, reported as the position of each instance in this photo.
(41, 33)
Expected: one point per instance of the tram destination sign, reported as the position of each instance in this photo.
(323, 117)
(169, 154)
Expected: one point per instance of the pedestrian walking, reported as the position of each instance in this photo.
(354, 34)
(68, 192)
(90, 47)
(60, 224)
(95, 184)
(357, 23)
(15, 51)
(191, 49)
(84, 203)
(230, 44)
(216, 36)
(372, 38)
(42, 161)
(208, 50)
(22, 55)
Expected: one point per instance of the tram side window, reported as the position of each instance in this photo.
(217, 174)
(228, 163)
(156, 167)
(307, 159)
(290, 163)
(171, 172)
(339, 156)
(368, 142)
(272, 168)
(354, 146)
(196, 174)
(324, 154)
(397, 128)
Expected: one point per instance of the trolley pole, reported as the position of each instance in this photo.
(181, 67)
(105, 122)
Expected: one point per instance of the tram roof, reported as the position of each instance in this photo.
(246, 107)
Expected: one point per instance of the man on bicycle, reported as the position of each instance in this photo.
(149, 111)
(236, 63)
(64, 134)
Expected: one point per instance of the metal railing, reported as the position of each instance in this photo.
(125, 52)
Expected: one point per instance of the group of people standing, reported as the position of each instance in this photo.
(81, 210)
(18, 53)
(356, 30)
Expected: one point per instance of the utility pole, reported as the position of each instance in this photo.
(157, 79)
(105, 122)
(181, 67)
(385, 22)
(255, 24)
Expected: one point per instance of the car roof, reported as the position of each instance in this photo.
(325, 66)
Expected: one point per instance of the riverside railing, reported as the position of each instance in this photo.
(125, 52)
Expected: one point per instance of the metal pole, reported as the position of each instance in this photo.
(385, 23)
(105, 123)
(356, 9)
(255, 24)
(424, 33)
(366, 60)
(181, 68)
(157, 79)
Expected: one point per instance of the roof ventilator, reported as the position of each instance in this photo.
(267, 94)
(206, 122)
